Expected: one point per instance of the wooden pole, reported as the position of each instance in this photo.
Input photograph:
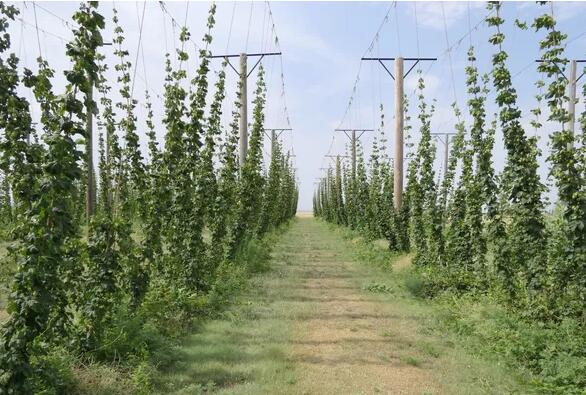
(572, 96)
(243, 109)
(353, 155)
(399, 112)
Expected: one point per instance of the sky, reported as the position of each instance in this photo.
(319, 83)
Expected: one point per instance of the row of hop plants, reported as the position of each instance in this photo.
(475, 230)
(167, 223)
(479, 234)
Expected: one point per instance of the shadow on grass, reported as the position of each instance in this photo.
(221, 355)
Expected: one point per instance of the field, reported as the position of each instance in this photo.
(323, 320)
(161, 233)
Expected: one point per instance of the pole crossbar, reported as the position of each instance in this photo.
(276, 131)
(560, 71)
(353, 139)
(386, 69)
(232, 66)
(254, 67)
(398, 77)
(356, 130)
(440, 135)
(446, 144)
(244, 74)
(396, 58)
(416, 60)
(248, 54)
(572, 83)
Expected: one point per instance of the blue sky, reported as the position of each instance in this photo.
(322, 43)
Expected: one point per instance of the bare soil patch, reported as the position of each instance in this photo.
(342, 344)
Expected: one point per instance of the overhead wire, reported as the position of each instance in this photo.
(452, 47)
(249, 23)
(165, 31)
(286, 114)
(469, 21)
(384, 21)
(397, 28)
(282, 74)
(416, 29)
(141, 24)
(230, 28)
(175, 23)
(183, 42)
(64, 21)
(63, 39)
(262, 38)
(449, 54)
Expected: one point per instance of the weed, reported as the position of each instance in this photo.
(410, 360)
(383, 357)
(378, 288)
(415, 285)
(429, 349)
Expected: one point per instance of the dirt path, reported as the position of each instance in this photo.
(321, 322)
(350, 341)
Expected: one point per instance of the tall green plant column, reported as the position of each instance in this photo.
(568, 241)
(47, 258)
(521, 261)
(252, 180)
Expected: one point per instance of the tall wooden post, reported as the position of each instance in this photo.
(399, 112)
(243, 109)
(572, 96)
(353, 155)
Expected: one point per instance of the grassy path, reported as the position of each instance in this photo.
(321, 322)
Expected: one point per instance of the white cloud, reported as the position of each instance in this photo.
(430, 14)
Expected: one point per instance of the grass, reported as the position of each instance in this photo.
(242, 352)
(323, 321)
(378, 288)
(171, 357)
(460, 365)
(411, 360)
(328, 312)
(429, 349)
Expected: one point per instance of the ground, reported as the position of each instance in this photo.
(325, 322)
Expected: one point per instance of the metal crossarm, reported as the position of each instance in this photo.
(417, 60)
(248, 55)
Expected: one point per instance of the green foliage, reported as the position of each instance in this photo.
(568, 241)
(550, 354)
(131, 178)
(479, 234)
(425, 220)
(47, 253)
(224, 204)
(521, 243)
(251, 182)
(481, 185)
(378, 288)
(144, 274)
